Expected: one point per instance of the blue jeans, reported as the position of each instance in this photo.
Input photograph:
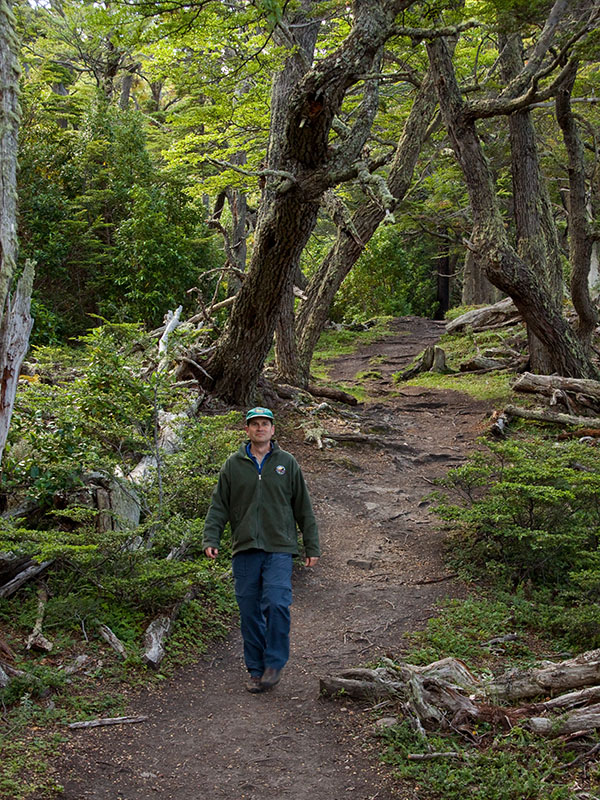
(263, 590)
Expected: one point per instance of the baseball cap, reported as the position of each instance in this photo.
(259, 411)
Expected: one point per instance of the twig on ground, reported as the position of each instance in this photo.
(95, 723)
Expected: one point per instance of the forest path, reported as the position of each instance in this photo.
(381, 573)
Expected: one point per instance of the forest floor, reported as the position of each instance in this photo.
(380, 576)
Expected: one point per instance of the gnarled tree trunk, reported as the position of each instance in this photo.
(537, 239)
(301, 167)
(353, 234)
(504, 267)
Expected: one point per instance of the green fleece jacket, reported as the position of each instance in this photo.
(263, 508)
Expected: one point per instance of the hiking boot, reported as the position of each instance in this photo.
(254, 685)
(270, 678)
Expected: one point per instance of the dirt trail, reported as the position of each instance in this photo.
(380, 576)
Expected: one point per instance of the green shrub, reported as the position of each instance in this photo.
(511, 766)
(527, 514)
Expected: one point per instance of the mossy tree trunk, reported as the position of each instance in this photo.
(9, 132)
(302, 166)
(354, 233)
(581, 241)
(537, 238)
(504, 267)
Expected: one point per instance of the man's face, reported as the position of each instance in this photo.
(260, 430)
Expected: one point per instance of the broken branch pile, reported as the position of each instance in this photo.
(572, 401)
(445, 694)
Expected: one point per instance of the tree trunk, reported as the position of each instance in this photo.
(9, 132)
(126, 86)
(477, 290)
(282, 231)
(443, 266)
(580, 239)
(537, 239)
(15, 317)
(302, 165)
(286, 353)
(354, 234)
(504, 268)
(14, 343)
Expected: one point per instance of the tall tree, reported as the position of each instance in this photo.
(580, 235)
(9, 133)
(504, 267)
(301, 167)
(536, 236)
(15, 319)
(353, 233)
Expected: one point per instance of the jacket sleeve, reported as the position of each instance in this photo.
(218, 511)
(304, 515)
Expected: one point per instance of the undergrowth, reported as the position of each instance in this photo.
(511, 765)
(523, 517)
(88, 416)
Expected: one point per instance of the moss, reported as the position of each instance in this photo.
(491, 386)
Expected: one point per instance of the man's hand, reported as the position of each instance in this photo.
(310, 561)
(211, 552)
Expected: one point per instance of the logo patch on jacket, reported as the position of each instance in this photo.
(280, 470)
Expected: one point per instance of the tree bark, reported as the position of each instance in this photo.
(504, 268)
(481, 319)
(353, 234)
(580, 239)
(301, 168)
(10, 116)
(553, 417)
(547, 384)
(444, 265)
(14, 341)
(476, 289)
(537, 239)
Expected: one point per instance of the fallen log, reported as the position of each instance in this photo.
(481, 319)
(587, 719)
(446, 694)
(113, 640)
(332, 394)
(548, 677)
(31, 572)
(11, 565)
(481, 364)
(546, 384)
(553, 417)
(36, 639)
(158, 632)
(582, 697)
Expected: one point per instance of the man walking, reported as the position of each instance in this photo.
(262, 493)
